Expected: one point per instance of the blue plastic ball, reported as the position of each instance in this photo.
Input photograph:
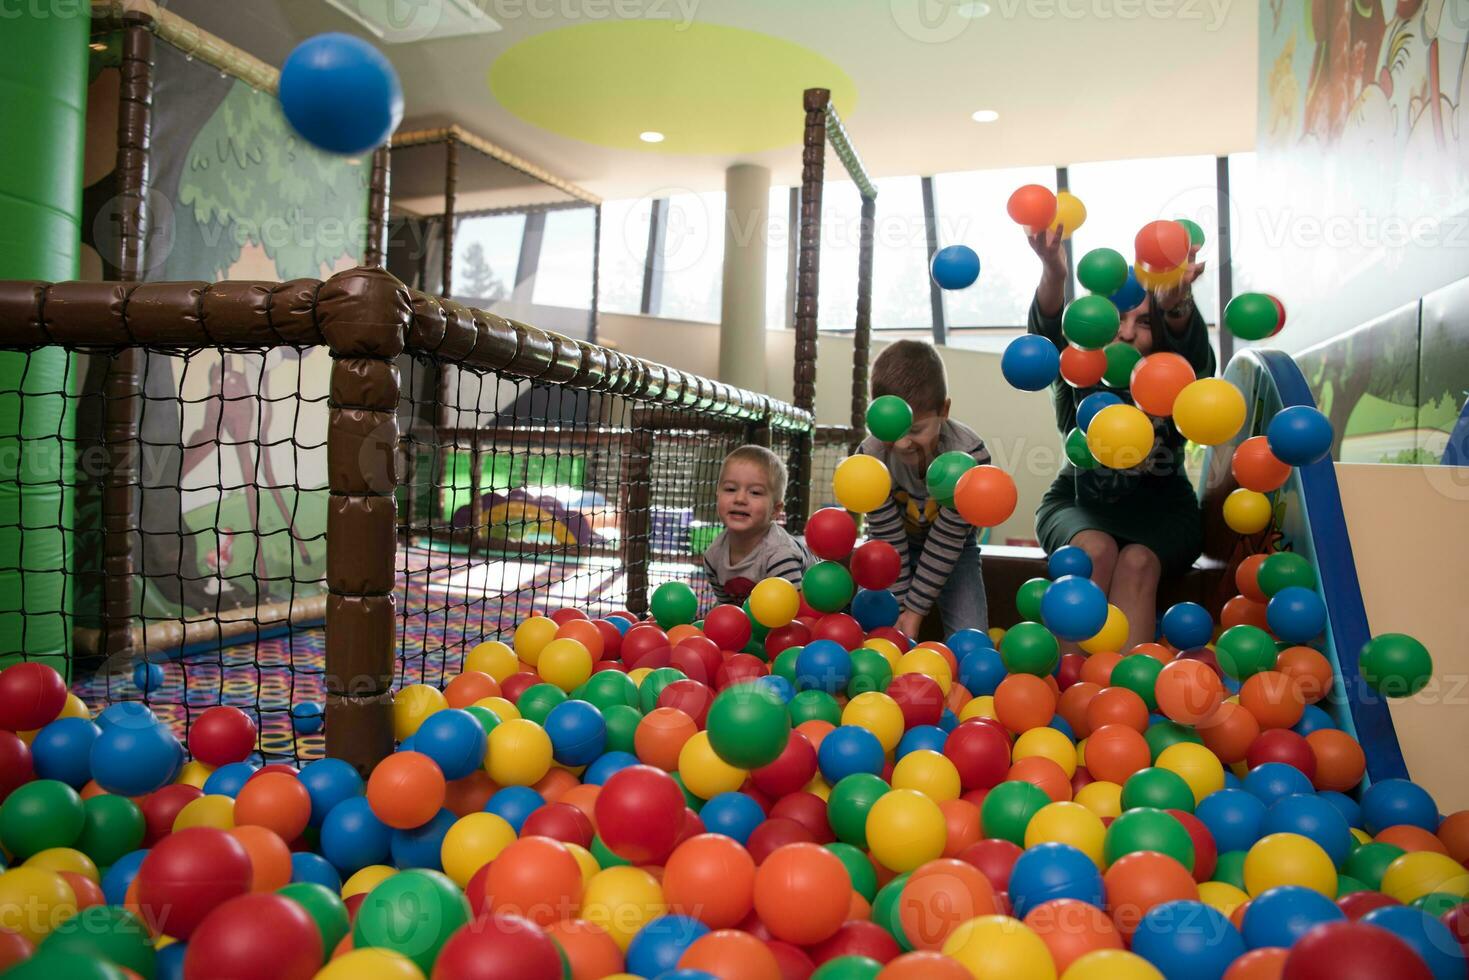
(1390, 802)
(778, 685)
(1427, 936)
(954, 267)
(1030, 362)
(577, 731)
(1272, 781)
(329, 782)
(948, 721)
(1345, 805)
(1281, 916)
(421, 847)
(848, 749)
(340, 93)
(621, 623)
(1187, 625)
(1299, 435)
(1313, 719)
(733, 815)
(1296, 614)
(134, 761)
(306, 866)
(62, 750)
(168, 962)
(454, 739)
(1069, 560)
(874, 607)
(117, 878)
(824, 665)
(608, 764)
(126, 714)
(963, 642)
(931, 737)
(308, 717)
(228, 779)
(1051, 870)
(1231, 781)
(658, 945)
(352, 837)
(1074, 608)
(1188, 939)
(1234, 818)
(1312, 817)
(147, 677)
(1130, 295)
(1088, 407)
(981, 671)
(515, 803)
(1063, 726)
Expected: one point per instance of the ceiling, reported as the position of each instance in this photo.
(1072, 80)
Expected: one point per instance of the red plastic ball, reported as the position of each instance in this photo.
(559, 821)
(876, 565)
(187, 875)
(698, 657)
(639, 813)
(739, 668)
(759, 796)
(693, 826)
(611, 638)
(776, 833)
(566, 614)
(645, 643)
(1082, 368)
(1206, 852)
(831, 533)
(841, 628)
(791, 770)
(1357, 904)
(16, 768)
(222, 735)
(1282, 745)
(261, 936)
(475, 891)
(857, 937)
(1162, 245)
(920, 698)
(32, 694)
(690, 697)
(1080, 778)
(808, 810)
(728, 626)
(1352, 950)
(602, 665)
(1033, 206)
(161, 808)
(1070, 670)
(1457, 919)
(782, 638)
(499, 947)
(894, 636)
(980, 752)
(995, 858)
(512, 687)
(793, 962)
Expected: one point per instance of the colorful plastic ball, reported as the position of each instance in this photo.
(1030, 363)
(1090, 406)
(1296, 615)
(732, 954)
(1313, 818)
(62, 750)
(1138, 882)
(981, 671)
(577, 731)
(502, 946)
(905, 829)
(889, 418)
(1163, 244)
(1024, 701)
(1256, 468)
(520, 753)
(802, 893)
(1411, 876)
(414, 703)
(952, 267)
(1082, 368)
(1008, 809)
(1251, 316)
(1210, 411)
(406, 789)
(1282, 915)
(1289, 859)
(32, 694)
(1187, 625)
(565, 663)
(340, 93)
(413, 913)
(1352, 951)
(454, 740)
(1070, 213)
(1157, 380)
(1299, 435)
(1032, 205)
(1068, 560)
(861, 484)
(1120, 437)
(187, 875)
(1050, 870)
(875, 565)
(1390, 802)
(1114, 752)
(847, 750)
(1073, 608)
(1090, 322)
(928, 772)
(639, 814)
(1196, 765)
(1188, 939)
(308, 717)
(1274, 780)
(329, 782)
(1235, 818)
(536, 878)
(1028, 599)
(134, 760)
(938, 897)
(1247, 512)
(999, 946)
(1425, 935)
(1285, 568)
(147, 676)
(1149, 829)
(1102, 271)
(658, 945)
(1395, 665)
(1122, 362)
(1157, 788)
(712, 878)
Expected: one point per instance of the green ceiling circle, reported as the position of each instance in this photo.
(707, 88)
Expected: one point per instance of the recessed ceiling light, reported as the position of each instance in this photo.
(985, 115)
(651, 136)
(974, 9)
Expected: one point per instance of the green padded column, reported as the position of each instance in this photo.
(43, 86)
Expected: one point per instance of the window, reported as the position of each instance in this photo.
(900, 298)
(1247, 226)
(564, 273)
(778, 259)
(970, 210)
(1123, 195)
(486, 256)
(693, 258)
(624, 255)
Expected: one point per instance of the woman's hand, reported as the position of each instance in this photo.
(909, 623)
(1048, 246)
(1181, 294)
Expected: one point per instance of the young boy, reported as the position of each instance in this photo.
(938, 547)
(751, 495)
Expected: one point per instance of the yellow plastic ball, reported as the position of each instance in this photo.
(1199, 767)
(1081, 753)
(1102, 798)
(997, 633)
(774, 602)
(999, 946)
(1070, 214)
(622, 900)
(364, 880)
(861, 483)
(215, 810)
(1071, 823)
(503, 708)
(1247, 512)
(35, 901)
(905, 829)
(637, 675)
(1209, 411)
(473, 841)
(494, 658)
(704, 773)
(1120, 436)
(532, 636)
(1418, 873)
(520, 753)
(928, 662)
(61, 859)
(1112, 637)
(564, 662)
(194, 773)
(1048, 743)
(1361, 836)
(887, 648)
(929, 772)
(818, 787)
(877, 713)
(979, 707)
(411, 705)
(371, 963)
(1223, 896)
(75, 707)
(1289, 859)
(1158, 281)
(1111, 964)
(585, 860)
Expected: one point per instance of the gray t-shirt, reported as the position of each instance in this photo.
(777, 555)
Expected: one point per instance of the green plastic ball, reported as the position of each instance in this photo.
(1346, 884)
(758, 630)
(1008, 809)
(1121, 359)
(1030, 648)
(487, 719)
(1282, 569)
(652, 686)
(1195, 232)
(1244, 651)
(943, 475)
(1162, 734)
(1160, 789)
(1028, 598)
(827, 586)
(748, 725)
(848, 968)
(62, 963)
(111, 827)
(859, 868)
(847, 806)
(690, 800)
(1078, 452)
(1090, 322)
(889, 418)
(1251, 316)
(886, 908)
(1102, 271)
(1138, 672)
(674, 604)
(413, 913)
(606, 688)
(622, 722)
(1230, 868)
(325, 908)
(870, 672)
(537, 701)
(1147, 829)
(784, 664)
(814, 705)
(109, 933)
(1434, 903)
(40, 814)
(1369, 862)
(1395, 665)
(604, 854)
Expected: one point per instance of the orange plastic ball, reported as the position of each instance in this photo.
(1114, 752)
(731, 955)
(276, 800)
(1138, 881)
(939, 897)
(1159, 652)
(1453, 832)
(1410, 838)
(682, 632)
(585, 632)
(924, 965)
(536, 878)
(961, 817)
(590, 951)
(958, 697)
(1162, 244)
(1083, 368)
(711, 878)
(1034, 206)
(1340, 761)
(1071, 928)
(470, 794)
(802, 893)
(1229, 731)
(405, 790)
(985, 496)
(1023, 702)
(1117, 706)
(1157, 379)
(1267, 963)
(1256, 468)
(1243, 611)
(270, 858)
(1098, 668)
(469, 687)
(1045, 773)
(1073, 704)
(554, 784)
(945, 652)
(1246, 578)
(1273, 698)
(815, 730)
(1309, 669)
(661, 735)
(1188, 691)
